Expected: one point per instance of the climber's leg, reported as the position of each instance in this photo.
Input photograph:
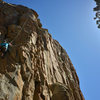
(1, 53)
(0, 48)
(3, 50)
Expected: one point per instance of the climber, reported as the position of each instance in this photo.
(4, 48)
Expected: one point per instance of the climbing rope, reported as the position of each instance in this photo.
(19, 31)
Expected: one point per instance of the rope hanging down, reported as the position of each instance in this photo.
(19, 31)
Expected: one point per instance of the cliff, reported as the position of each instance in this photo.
(35, 67)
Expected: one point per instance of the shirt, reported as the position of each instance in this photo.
(5, 45)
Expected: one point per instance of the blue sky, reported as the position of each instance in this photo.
(71, 23)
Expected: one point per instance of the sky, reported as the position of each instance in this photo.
(71, 23)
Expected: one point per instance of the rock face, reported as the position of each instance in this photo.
(36, 67)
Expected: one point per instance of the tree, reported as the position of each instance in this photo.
(97, 15)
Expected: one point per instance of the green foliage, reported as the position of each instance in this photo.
(97, 15)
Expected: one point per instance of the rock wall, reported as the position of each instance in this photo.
(36, 67)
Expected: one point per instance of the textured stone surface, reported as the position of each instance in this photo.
(36, 66)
